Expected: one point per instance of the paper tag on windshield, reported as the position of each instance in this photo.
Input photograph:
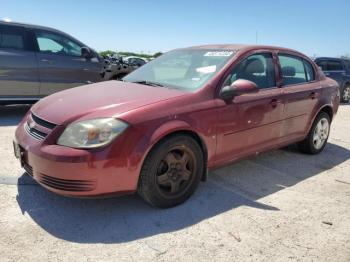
(218, 53)
(206, 69)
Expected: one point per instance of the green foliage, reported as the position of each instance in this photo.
(345, 56)
(107, 53)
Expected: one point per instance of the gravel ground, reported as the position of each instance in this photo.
(279, 206)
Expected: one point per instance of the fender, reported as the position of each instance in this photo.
(168, 128)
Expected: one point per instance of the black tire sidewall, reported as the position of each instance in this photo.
(148, 188)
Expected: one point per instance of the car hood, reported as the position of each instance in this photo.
(104, 99)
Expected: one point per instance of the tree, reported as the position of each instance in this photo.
(107, 53)
(155, 55)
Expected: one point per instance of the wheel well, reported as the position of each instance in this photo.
(328, 110)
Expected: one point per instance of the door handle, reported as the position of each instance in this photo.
(47, 61)
(274, 102)
(312, 95)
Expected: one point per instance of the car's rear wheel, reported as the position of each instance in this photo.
(317, 138)
(345, 97)
(171, 171)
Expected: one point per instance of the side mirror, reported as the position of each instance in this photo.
(238, 87)
(86, 52)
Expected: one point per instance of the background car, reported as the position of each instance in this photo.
(159, 130)
(135, 61)
(339, 70)
(119, 66)
(37, 61)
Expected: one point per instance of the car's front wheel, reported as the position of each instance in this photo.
(171, 171)
(345, 96)
(317, 138)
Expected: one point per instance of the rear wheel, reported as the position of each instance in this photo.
(317, 138)
(171, 172)
(345, 96)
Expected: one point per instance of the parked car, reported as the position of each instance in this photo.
(116, 70)
(159, 130)
(339, 70)
(36, 61)
(135, 61)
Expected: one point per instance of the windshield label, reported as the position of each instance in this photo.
(219, 53)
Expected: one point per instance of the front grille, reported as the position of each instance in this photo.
(32, 122)
(43, 122)
(67, 185)
(34, 132)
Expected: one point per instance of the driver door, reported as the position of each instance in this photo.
(61, 65)
(250, 122)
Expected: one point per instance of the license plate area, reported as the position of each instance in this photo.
(19, 152)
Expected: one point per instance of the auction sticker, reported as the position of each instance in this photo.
(218, 53)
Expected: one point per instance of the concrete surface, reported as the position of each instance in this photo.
(279, 206)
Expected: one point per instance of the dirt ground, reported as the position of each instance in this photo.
(279, 206)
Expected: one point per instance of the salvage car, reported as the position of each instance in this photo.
(161, 129)
(37, 61)
(339, 70)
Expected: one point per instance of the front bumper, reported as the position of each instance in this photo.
(73, 172)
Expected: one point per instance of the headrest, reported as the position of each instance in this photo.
(254, 66)
(288, 71)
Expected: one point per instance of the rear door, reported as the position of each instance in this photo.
(18, 66)
(61, 65)
(300, 94)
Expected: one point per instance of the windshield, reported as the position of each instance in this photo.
(187, 69)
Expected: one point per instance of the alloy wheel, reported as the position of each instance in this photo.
(176, 171)
(321, 133)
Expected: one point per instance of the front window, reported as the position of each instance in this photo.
(188, 70)
(51, 43)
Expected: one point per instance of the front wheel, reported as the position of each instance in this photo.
(345, 96)
(317, 138)
(171, 171)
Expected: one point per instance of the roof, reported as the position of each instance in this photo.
(40, 28)
(238, 47)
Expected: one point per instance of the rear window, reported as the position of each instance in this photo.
(12, 38)
(334, 66)
(293, 70)
(330, 65)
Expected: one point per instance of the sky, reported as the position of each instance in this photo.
(320, 28)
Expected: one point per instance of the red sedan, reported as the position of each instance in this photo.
(159, 130)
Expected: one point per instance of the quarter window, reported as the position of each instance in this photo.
(257, 68)
(12, 38)
(293, 70)
(51, 43)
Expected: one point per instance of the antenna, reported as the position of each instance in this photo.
(256, 37)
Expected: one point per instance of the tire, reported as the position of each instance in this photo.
(167, 179)
(310, 144)
(345, 95)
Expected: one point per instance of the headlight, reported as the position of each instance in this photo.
(91, 133)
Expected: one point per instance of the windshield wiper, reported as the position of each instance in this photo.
(149, 83)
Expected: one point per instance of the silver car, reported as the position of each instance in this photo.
(36, 61)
